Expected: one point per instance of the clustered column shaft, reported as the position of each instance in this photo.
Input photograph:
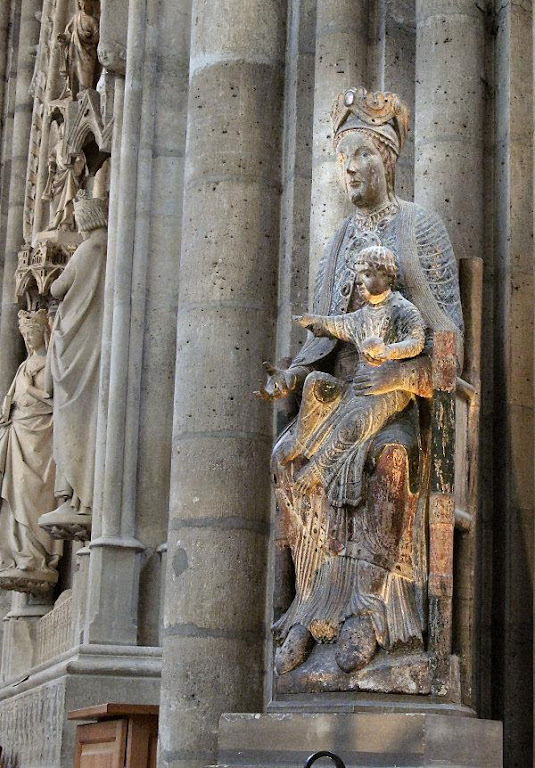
(219, 509)
(341, 62)
(10, 342)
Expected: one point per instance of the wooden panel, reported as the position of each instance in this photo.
(137, 750)
(142, 742)
(101, 745)
(111, 709)
(153, 747)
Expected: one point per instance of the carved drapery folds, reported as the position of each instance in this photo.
(73, 362)
(28, 557)
(66, 174)
(70, 147)
(79, 44)
(364, 477)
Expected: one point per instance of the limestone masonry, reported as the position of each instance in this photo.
(266, 380)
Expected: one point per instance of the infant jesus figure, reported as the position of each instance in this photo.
(335, 424)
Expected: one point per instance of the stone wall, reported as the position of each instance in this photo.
(223, 191)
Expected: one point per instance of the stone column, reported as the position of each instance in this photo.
(341, 62)
(115, 552)
(6, 125)
(142, 291)
(399, 77)
(377, 46)
(220, 496)
(449, 120)
(514, 466)
(295, 242)
(450, 123)
(5, 14)
(10, 339)
(297, 167)
(159, 351)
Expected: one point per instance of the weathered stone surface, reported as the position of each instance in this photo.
(259, 150)
(34, 731)
(28, 557)
(74, 356)
(225, 328)
(80, 41)
(382, 740)
(349, 498)
(397, 673)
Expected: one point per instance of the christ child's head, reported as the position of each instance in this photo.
(376, 272)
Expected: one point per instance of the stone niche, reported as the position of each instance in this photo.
(375, 482)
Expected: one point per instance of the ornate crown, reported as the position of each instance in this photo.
(90, 212)
(381, 112)
(29, 319)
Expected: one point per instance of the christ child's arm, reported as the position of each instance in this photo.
(411, 332)
(332, 326)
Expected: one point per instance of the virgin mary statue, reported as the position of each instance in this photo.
(353, 514)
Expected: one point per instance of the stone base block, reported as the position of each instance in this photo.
(65, 523)
(408, 673)
(382, 740)
(36, 583)
(34, 731)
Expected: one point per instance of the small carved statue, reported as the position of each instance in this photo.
(80, 42)
(66, 174)
(28, 556)
(73, 366)
(352, 471)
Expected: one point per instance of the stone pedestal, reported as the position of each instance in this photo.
(34, 730)
(381, 740)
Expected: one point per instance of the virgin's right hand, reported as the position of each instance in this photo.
(305, 321)
(279, 384)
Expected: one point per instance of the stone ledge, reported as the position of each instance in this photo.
(379, 740)
(109, 660)
(34, 730)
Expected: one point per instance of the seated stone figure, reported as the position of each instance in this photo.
(385, 327)
(360, 551)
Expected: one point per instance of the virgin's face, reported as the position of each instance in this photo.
(362, 170)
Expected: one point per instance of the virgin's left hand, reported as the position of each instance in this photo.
(306, 479)
(378, 381)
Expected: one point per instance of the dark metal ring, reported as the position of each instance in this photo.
(317, 755)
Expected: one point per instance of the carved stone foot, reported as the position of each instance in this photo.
(356, 644)
(31, 582)
(65, 523)
(295, 649)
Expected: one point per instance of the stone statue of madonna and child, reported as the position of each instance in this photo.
(351, 470)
